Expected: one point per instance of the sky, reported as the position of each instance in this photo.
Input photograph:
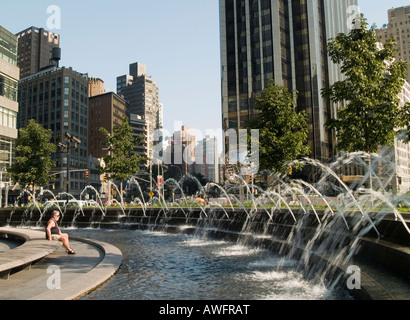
(178, 40)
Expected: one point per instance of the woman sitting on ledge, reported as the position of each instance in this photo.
(53, 232)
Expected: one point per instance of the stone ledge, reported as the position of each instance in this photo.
(34, 248)
(82, 284)
(88, 282)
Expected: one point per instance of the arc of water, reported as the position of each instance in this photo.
(281, 199)
(359, 157)
(116, 201)
(315, 191)
(118, 191)
(101, 205)
(75, 200)
(286, 204)
(388, 202)
(190, 176)
(270, 215)
(33, 200)
(293, 191)
(249, 190)
(139, 202)
(54, 197)
(221, 206)
(135, 181)
(349, 192)
(311, 206)
(333, 214)
(203, 210)
(186, 216)
(223, 190)
(241, 204)
(180, 189)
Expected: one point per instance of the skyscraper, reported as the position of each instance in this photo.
(57, 98)
(285, 41)
(142, 94)
(35, 49)
(9, 77)
(107, 111)
(398, 28)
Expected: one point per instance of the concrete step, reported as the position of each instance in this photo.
(33, 248)
(58, 276)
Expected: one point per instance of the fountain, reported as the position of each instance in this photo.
(325, 226)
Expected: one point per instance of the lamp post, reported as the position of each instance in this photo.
(1, 185)
(66, 148)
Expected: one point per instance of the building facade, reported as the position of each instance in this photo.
(9, 77)
(105, 111)
(57, 98)
(35, 49)
(140, 130)
(401, 151)
(207, 159)
(398, 28)
(284, 41)
(142, 95)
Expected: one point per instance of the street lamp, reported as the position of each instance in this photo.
(66, 148)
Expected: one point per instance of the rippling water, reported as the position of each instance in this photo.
(162, 266)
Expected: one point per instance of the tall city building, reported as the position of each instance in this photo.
(107, 111)
(398, 28)
(179, 154)
(57, 98)
(207, 159)
(139, 130)
(142, 94)
(285, 41)
(9, 77)
(35, 49)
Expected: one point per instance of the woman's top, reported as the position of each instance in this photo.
(54, 230)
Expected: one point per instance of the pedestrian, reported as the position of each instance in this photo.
(53, 232)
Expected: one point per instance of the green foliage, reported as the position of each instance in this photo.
(370, 111)
(283, 132)
(33, 161)
(122, 161)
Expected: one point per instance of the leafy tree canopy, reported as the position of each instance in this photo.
(122, 161)
(283, 132)
(33, 160)
(370, 111)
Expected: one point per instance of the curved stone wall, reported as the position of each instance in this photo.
(326, 243)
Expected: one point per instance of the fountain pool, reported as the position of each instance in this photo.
(163, 266)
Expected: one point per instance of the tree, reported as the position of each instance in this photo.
(370, 111)
(283, 132)
(122, 161)
(33, 160)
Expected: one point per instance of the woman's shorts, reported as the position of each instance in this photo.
(56, 237)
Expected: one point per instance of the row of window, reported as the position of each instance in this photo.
(8, 118)
(8, 88)
(8, 46)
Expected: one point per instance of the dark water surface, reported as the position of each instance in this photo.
(163, 266)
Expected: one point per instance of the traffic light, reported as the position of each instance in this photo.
(250, 178)
(87, 175)
(105, 178)
(291, 170)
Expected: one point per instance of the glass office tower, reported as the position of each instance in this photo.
(285, 41)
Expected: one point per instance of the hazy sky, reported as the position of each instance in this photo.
(178, 40)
